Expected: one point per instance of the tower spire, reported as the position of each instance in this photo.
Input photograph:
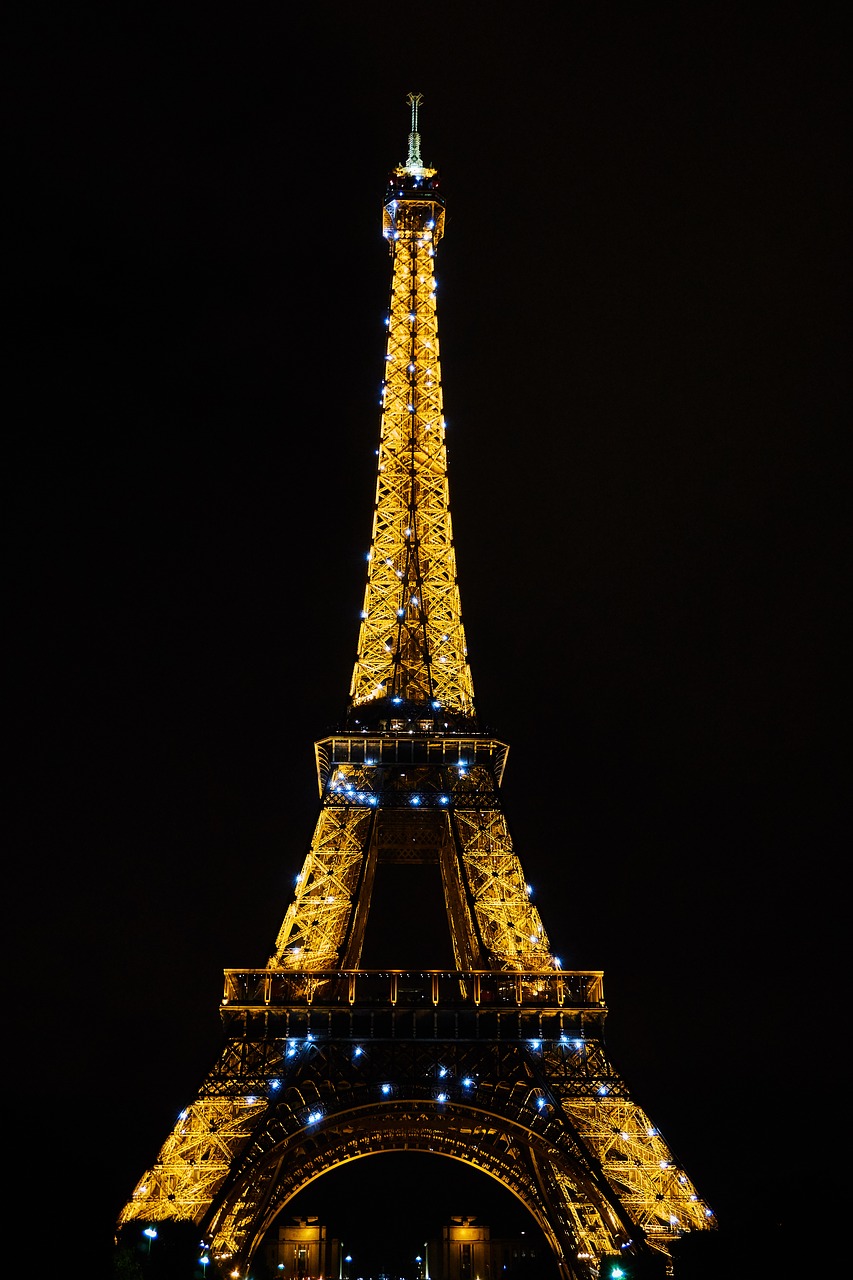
(413, 162)
(411, 665)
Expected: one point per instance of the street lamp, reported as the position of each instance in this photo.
(151, 1233)
(205, 1262)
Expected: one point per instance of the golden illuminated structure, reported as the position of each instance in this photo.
(498, 1061)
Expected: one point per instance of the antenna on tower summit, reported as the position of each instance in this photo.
(414, 158)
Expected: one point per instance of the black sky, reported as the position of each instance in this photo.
(641, 318)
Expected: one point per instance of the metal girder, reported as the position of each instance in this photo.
(315, 925)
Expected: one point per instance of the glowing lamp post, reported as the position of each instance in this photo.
(151, 1233)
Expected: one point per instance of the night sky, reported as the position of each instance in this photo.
(641, 319)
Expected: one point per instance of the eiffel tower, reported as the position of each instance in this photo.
(496, 1059)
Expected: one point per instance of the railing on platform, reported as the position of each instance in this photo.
(480, 989)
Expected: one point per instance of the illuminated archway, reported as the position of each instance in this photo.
(543, 1174)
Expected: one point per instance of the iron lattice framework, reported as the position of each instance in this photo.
(411, 647)
(499, 1062)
